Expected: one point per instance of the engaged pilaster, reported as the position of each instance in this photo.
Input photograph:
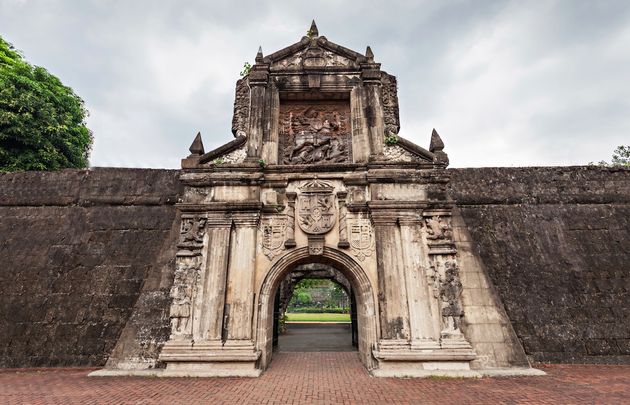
(241, 272)
(423, 324)
(392, 294)
(211, 301)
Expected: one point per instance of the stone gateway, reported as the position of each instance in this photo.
(317, 179)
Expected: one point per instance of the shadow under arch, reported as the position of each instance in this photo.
(364, 294)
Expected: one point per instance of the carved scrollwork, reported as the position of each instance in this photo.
(192, 231)
(438, 228)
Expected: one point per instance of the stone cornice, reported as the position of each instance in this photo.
(226, 206)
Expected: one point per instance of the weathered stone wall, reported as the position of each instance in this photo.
(556, 244)
(76, 249)
(81, 250)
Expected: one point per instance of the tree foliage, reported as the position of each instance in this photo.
(42, 122)
(620, 157)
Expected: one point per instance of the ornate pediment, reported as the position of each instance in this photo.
(314, 52)
(314, 57)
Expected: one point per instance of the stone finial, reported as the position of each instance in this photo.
(369, 54)
(259, 55)
(313, 32)
(436, 142)
(197, 146)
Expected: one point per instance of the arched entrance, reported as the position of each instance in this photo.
(364, 294)
(317, 273)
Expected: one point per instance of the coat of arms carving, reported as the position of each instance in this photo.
(361, 238)
(316, 207)
(273, 236)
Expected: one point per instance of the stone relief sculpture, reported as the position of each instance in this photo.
(438, 228)
(240, 119)
(450, 291)
(361, 238)
(273, 235)
(316, 213)
(313, 56)
(314, 133)
(397, 153)
(192, 230)
(182, 295)
(390, 104)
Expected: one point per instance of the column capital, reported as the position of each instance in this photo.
(409, 219)
(218, 220)
(246, 218)
(384, 217)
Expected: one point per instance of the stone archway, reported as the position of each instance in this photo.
(364, 292)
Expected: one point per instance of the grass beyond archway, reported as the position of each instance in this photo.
(323, 317)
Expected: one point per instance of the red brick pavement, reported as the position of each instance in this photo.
(317, 378)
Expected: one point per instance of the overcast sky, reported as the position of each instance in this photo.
(505, 83)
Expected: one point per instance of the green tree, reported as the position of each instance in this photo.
(42, 122)
(620, 158)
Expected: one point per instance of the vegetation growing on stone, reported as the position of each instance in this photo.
(246, 69)
(42, 122)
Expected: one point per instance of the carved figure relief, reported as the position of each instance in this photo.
(181, 293)
(315, 133)
(450, 291)
(361, 238)
(316, 207)
(273, 235)
(438, 228)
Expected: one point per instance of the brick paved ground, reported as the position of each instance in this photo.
(317, 378)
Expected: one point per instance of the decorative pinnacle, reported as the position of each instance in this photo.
(259, 55)
(197, 146)
(313, 32)
(369, 54)
(436, 142)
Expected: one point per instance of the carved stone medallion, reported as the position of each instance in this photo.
(316, 207)
(315, 132)
(361, 238)
(273, 235)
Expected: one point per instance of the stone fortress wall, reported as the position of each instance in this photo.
(76, 249)
(81, 250)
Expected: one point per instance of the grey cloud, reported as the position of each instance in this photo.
(504, 82)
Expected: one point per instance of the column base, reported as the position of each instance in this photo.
(234, 358)
(400, 358)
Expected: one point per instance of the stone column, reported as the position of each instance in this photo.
(241, 275)
(393, 304)
(290, 242)
(424, 326)
(209, 320)
(343, 223)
